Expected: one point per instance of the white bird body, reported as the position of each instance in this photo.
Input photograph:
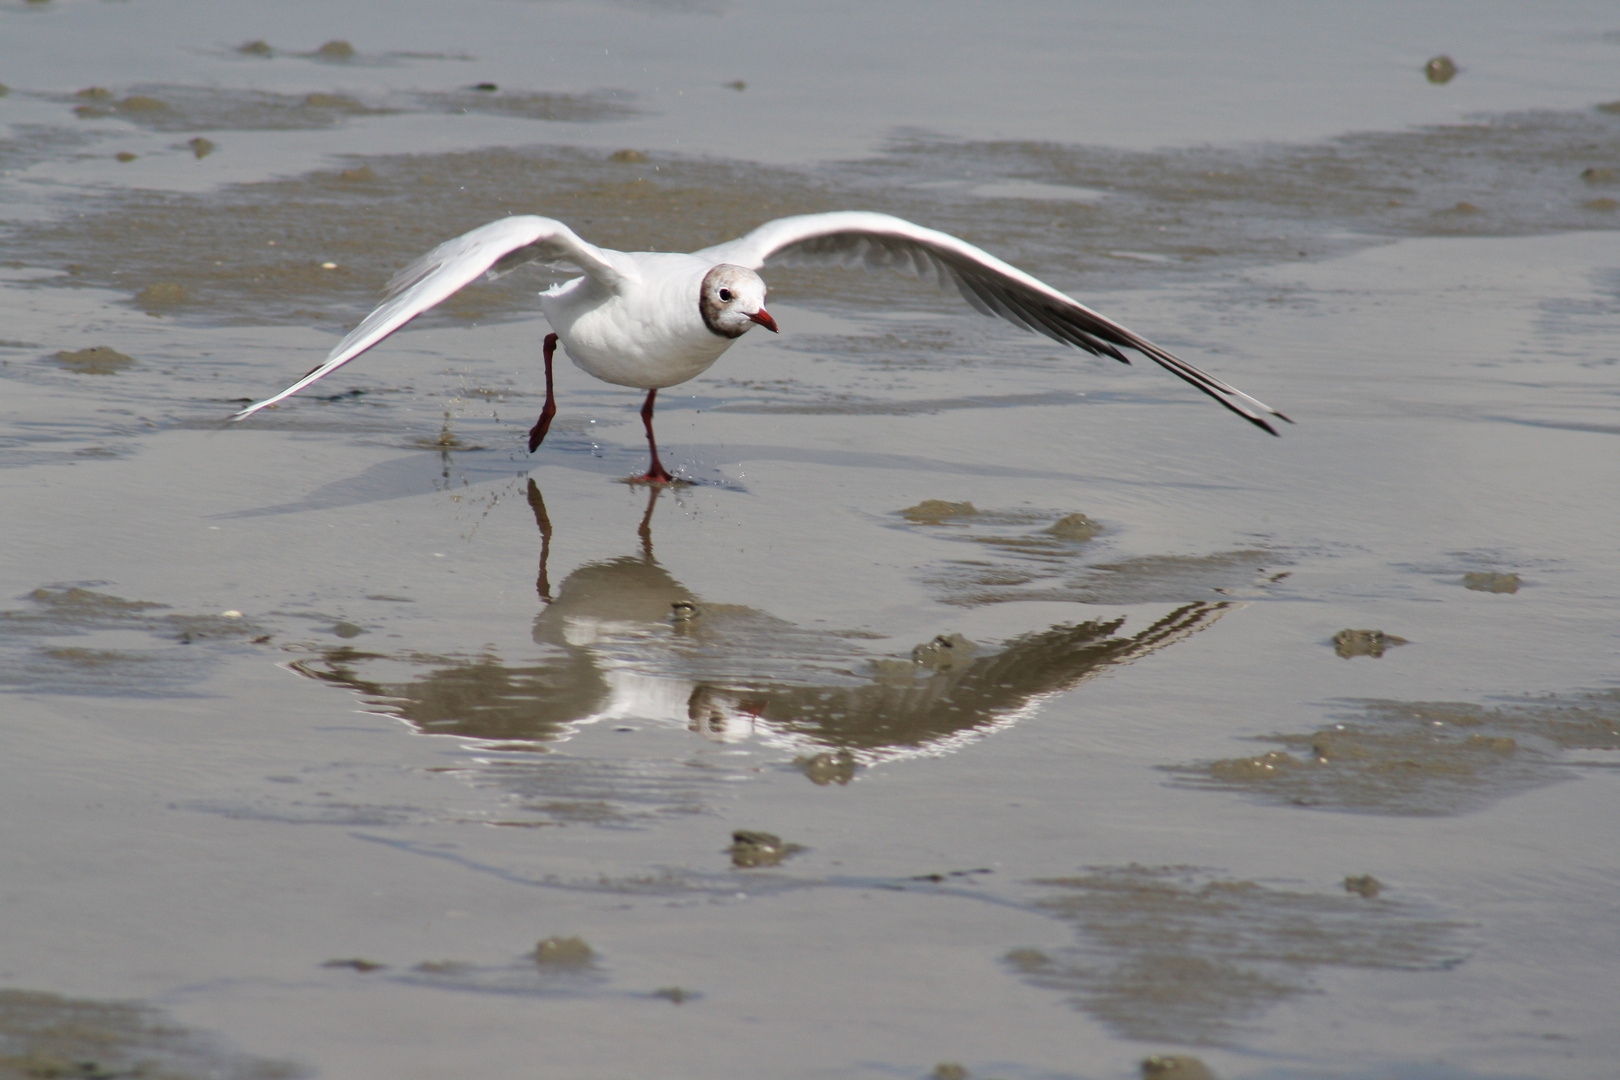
(656, 319)
(646, 332)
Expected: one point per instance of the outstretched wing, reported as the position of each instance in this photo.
(491, 249)
(879, 241)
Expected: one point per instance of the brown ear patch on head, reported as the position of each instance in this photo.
(710, 302)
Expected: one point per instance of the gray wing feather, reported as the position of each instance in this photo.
(492, 249)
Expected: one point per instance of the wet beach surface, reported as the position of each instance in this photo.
(979, 708)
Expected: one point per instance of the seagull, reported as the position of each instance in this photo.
(655, 319)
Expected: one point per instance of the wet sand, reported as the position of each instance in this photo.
(979, 709)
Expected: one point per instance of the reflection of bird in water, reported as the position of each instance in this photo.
(656, 319)
(625, 640)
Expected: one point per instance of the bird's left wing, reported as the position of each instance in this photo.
(491, 249)
(878, 241)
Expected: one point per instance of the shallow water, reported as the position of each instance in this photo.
(981, 709)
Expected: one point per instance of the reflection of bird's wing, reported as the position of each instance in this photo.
(1180, 623)
(879, 241)
(1036, 664)
(480, 698)
(896, 714)
(494, 249)
(1065, 656)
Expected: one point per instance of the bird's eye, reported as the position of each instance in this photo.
(725, 296)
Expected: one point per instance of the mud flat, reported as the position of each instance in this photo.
(977, 709)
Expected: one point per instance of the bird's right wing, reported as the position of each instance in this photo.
(854, 238)
(492, 249)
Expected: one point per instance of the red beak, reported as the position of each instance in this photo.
(764, 319)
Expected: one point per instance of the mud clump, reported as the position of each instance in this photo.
(1440, 70)
(1373, 643)
(750, 849)
(1363, 885)
(1175, 1067)
(563, 953)
(96, 360)
(1076, 527)
(336, 50)
(937, 512)
(201, 147)
(1486, 581)
(828, 767)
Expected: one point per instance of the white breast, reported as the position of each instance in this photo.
(648, 333)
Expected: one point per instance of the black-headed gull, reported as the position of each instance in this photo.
(655, 319)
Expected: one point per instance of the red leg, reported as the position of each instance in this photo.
(538, 432)
(656, 473)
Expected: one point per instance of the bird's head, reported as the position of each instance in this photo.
(732, 301)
